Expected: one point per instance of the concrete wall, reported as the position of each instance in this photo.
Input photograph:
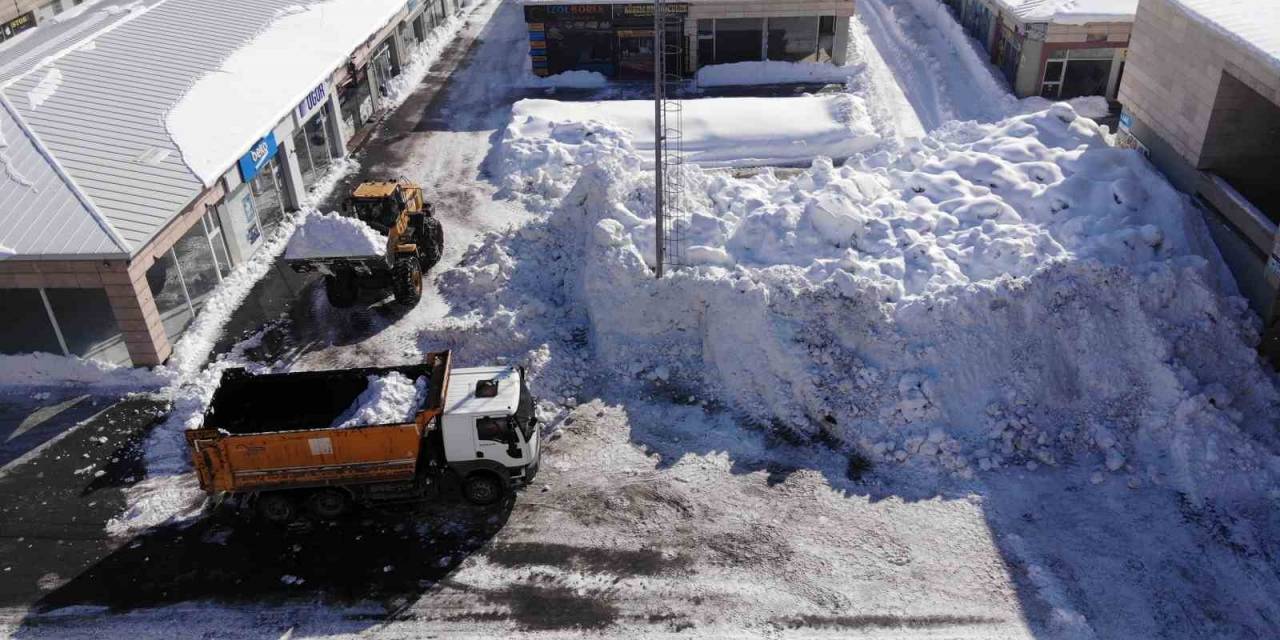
(1173, 72)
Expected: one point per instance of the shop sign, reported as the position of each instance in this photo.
(556, 12)
(313, 102)
(646, 10)
(1126, 120)
(258, 157)
(17, 25)
(411, 5)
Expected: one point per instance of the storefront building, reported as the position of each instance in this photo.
(1201, 99)
(93, 262)
(616, 40)
(1054, 54)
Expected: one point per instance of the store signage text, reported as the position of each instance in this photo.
(258, 157)
(313, 101)
(17, 25)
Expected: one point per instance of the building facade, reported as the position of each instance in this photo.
(616, 39)
(109, 245)
(19, 16)
(1053, 54)
(1201, 98)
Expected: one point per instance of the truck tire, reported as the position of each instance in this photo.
(277, 507)
(341, 289)
(482, 488)
(406, 281)
(431, 243)
(329, 504)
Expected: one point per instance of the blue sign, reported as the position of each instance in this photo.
(312, 102)
(258, 157)
(1126, 121)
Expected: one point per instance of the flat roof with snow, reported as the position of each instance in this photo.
(116, 117)
(1253, 23)
(1072, 11)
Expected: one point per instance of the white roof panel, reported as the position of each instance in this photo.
(461, 398)
(93, 89)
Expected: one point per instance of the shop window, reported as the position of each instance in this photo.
(826, 38)
(581, 44)
(26, 323)
(213, 227)
(268, 190)
(793, 39)
(355, 99)
(196, 265)
(706, 42)
(739, 40)
(312, 144)
(1071, 73)
(420, 27)
(169, 293)
(88, 325)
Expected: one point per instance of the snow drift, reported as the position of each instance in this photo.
(1011, 294)
(772, 72)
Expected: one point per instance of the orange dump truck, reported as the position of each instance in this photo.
(270, 442)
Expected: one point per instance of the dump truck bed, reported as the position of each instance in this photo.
(273, 431)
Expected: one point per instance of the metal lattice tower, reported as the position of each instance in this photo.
(668, 148)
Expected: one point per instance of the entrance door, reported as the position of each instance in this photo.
(635, 53)
(382, 71)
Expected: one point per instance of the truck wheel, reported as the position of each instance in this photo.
(482, 489)
(277, 507)
(406, 281)
(329, 504)
(342, 290)
(432, 243)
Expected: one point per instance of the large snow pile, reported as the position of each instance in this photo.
(333, 235)
(389, 399)
(1011, 294)
(771, 72)
(716, 131)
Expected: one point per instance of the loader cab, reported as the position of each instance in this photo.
(489, 424)
(378, 204)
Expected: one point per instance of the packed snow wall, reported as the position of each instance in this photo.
(1012, 294)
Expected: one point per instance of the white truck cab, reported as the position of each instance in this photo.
(488, 428)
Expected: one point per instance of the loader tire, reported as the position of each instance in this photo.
(431, 243)
(406, 281)
(342, 290)
(329, 504)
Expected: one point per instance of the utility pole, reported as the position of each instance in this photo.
(659, 131)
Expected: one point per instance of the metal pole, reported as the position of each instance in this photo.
(659, 124)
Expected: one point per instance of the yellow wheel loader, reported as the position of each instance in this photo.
(415, 243)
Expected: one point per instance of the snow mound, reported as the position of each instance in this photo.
(576, 79)
(717, 131)
(771, 72)
(389, 399)
(45, 369)
(1013, 294)
(333, 235)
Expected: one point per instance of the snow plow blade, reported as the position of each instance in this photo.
(272, 432)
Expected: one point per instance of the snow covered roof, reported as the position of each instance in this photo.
(1253, 23)
(98, 90)
(1072, 11)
